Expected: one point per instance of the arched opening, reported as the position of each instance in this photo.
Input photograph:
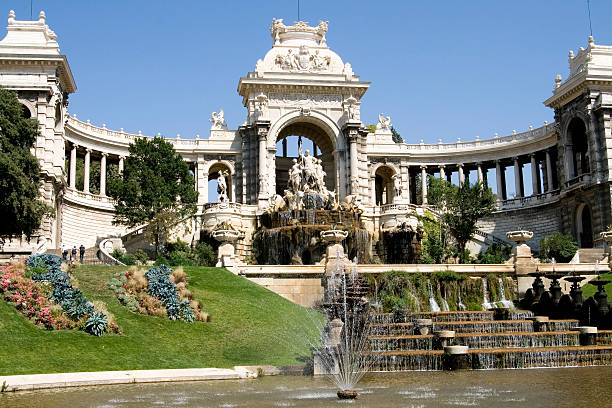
(58, 116)
(219, 173)
(577, 138)
(383, 185)
(584, 229)
(307, 137)
(25, 112)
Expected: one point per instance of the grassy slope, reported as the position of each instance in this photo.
(250, 325)
(589, 290)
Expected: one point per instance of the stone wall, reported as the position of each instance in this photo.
(542, 220)
(305, 292)
(83, 225)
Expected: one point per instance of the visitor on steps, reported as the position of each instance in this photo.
(65, 254)
(81, 253)
(73, 255)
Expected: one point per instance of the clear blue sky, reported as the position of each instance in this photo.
(442, 69)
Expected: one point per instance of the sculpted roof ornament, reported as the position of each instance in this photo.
(300, 30)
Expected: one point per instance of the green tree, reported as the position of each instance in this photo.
(396, 136)
(559, 246)
(157, 188)
(460, 208)
(21, 210)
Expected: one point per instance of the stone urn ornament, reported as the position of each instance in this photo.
(519, 236)
(606, 236)
(227, 251)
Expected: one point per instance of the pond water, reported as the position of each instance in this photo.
(567, 387)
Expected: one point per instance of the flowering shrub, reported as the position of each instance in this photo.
(29, 299)
(160, 291)
(48, 298)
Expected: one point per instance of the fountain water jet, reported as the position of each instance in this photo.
(342, 356)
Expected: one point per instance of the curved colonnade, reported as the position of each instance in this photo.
(222, 152)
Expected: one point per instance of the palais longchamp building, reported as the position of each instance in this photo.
(302, 90)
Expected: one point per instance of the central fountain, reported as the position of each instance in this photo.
(290, 229)
(342, 356)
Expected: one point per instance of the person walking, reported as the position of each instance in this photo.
(73, 255)
(81, 253)
(65, 254)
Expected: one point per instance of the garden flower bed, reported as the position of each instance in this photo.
(43, 294)
(160, 291)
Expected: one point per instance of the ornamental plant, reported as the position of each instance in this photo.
(160, 291)
(46, 269)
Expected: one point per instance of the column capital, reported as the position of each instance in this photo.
(459, 164)
(104, 154)
(75, 146)
(423, 167)
(87, 150)
(441, 166)
(122, 157)
(515, 158)
(532, 155)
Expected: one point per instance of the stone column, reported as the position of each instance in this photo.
(121, 164)
(569, 160)
(549, 171)
(500, 181)
(86, 170)
(354, 163)
(424, 184)
(461, 178)
(535, 175)
(201, 180)
(479, 170)
(485, 179)
(442, 175)
(406, 185)
(518, 178)
(73, 159)
(262, 133)
(103, 174)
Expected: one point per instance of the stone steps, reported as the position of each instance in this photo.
(494, 358)
(479, 340)
(400, 341)
(590, 255)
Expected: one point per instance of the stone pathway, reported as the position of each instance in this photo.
(61, 380)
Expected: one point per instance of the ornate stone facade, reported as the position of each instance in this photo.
(303, 88)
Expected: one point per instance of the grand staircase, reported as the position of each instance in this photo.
(514, 339)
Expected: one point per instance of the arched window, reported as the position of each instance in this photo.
(578, 145)
(584, 229)
(383, 184)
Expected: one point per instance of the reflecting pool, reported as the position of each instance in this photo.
(567, 387)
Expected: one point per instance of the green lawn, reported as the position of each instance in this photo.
(250, 326)
(589, 290)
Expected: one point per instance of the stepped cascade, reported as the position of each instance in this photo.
(521, 340)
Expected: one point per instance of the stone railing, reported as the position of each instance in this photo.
(94, 200)
(535, 199)
(492, 239)
(104, 256)
(234, 206)
(580, 180)
(479, 144)
(122, 136)
(387, 208)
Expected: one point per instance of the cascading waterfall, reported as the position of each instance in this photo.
(504, 302)
(485, 288)
(433, 305)
(460, 304)
(445, 304)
